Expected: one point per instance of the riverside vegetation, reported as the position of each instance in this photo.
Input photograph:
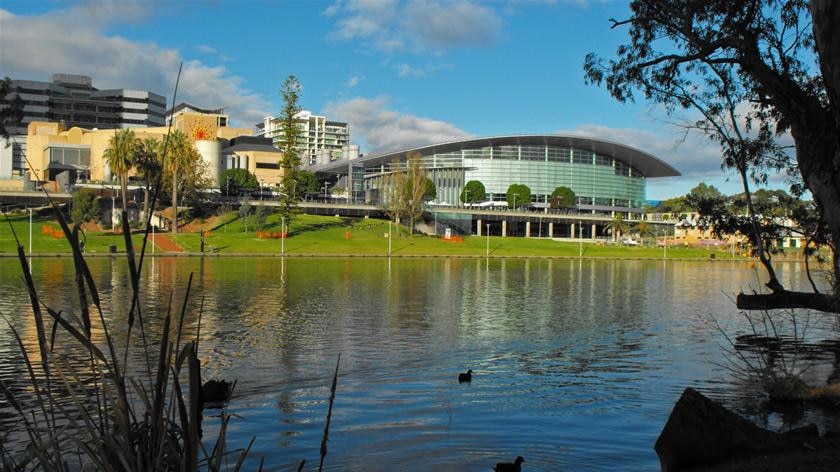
(80, 407)
(230, 234)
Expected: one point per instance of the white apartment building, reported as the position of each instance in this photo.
(318, 136)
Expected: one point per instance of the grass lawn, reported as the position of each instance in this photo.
(329, 235)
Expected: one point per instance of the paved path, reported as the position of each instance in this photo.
(166, 244)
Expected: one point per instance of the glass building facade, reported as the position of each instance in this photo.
(605, 177)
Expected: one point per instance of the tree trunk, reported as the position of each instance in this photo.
(175, 202)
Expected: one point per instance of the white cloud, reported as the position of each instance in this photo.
(417, 25)
(695, 157)
(405, 70)
(35, 47)
(448, 24)
(379, 129)
(354, 81)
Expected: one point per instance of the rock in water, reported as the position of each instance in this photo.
(701, 432)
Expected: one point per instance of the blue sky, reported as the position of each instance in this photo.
(402, 73)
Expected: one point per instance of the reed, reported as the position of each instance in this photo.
(103, 416)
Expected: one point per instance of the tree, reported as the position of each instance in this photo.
(84, 206)
(518, 195)
(304, 182)
(290, 131)
(234, 181)
(119, 155)
(562, 197)
(148, 165)
(746, 68)
(12, 113)
(473, 192)
(403, 199)
(178, 152)
(618, 226)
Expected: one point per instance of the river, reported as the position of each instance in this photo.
(577, 363)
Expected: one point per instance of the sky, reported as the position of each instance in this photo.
(401, 73)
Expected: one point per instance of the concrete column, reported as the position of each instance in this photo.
(551, 230)
(593, 231)
(527, 229)
(504, 228)
(573, 233)
(478, 227)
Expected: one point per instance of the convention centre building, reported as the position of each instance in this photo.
(606, 177)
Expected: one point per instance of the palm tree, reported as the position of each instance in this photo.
(178, 151)
(120, 158)
(618, 226)
(148, 166)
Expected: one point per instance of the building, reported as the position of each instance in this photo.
(257, 155)
(77, 155)
(72, 101)
(606, 177)
(321, 140)
(75, 102)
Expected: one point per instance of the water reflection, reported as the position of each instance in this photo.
(577, 363)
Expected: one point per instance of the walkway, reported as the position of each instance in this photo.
(166, 244)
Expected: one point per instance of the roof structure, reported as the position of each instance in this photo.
(646, 163)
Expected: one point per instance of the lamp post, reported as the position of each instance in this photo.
(487, 250)
(283, 235)
(30, 231)
(580, 239)
(113, 222)
(389, 237)
(514, 202)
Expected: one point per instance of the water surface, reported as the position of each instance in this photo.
(577, 364)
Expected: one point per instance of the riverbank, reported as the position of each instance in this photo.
(318, 236)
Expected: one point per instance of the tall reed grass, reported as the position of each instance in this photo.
(100, 414)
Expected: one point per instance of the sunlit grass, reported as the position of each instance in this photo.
(330, 235)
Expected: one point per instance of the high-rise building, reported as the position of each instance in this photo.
(73, 101)
(317, 135)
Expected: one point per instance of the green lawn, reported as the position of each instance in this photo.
(328, 235)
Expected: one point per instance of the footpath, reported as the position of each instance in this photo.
(166, 244)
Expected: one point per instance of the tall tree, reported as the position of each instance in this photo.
(178, 152)
(119, 155)
(291, 152)
(407, 189)
(746, 67)
(11, 113)
(148, 165)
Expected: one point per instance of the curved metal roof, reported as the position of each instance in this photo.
(647, 164)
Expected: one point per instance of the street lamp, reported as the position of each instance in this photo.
(389, 237)
(283, 235)
(487, 251)
(113, 222)
(580, 238)
(514, 202)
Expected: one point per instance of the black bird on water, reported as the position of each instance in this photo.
(465, 376)
(516, 466)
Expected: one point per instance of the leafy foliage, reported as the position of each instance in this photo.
(119, 155)
(746, 68)
(562, 197)
(518, 195)
(12, 114)
(84, 206)
(473, 192)
(234, 181)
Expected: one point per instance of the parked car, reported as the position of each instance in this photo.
(629, 242)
